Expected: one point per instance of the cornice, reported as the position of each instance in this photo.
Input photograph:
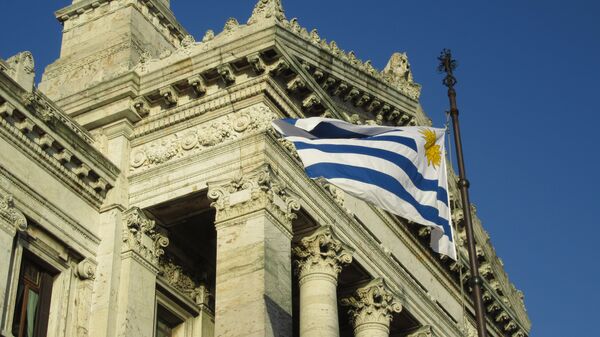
(38, 130)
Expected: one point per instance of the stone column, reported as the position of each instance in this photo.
(371, 309)
(142, 247)
(11, 221)
(320, 260)
(254, 230)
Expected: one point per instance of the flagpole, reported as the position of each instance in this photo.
(447, 65)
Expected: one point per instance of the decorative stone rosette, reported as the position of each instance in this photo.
(228, 128)
(249, 192)
(372, 304)
(321, 252)
(140, 236)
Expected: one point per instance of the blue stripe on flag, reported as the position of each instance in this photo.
(402, 162)
(291, 121)
(381, 180)
(409, 142)
(327, 130)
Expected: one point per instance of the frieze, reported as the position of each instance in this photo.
(192, 141)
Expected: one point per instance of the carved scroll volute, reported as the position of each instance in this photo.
(248, 192)
(140, 236)
(11, 219)
(321, 252)
(86, 270)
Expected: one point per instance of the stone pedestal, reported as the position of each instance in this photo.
(320, 260)
(371, 309)
(253, 286)
(142, 247)
(11, 221)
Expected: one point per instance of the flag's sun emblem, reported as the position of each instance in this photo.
(433, 152)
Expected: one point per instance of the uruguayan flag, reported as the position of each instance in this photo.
(399, 169)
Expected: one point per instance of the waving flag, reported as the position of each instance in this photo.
(399, 169)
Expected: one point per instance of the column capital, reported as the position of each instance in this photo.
(321, 253)
(141, 238)
(11, 219)
(372, 304)
(250, 191)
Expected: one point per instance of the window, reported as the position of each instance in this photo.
(33, 300)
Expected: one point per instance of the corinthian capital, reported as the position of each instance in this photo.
(248, 192)
(321, 253)
(140, 236)
(372, 304)
(14, 220)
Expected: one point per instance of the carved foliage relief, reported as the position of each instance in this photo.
(247, 192)
(373, 303)
(191, 141)
(141, 237)
(13, 217)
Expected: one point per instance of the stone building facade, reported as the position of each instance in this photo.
(144, 193)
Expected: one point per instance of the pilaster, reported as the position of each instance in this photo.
(11, 222)
(114, 142)
(253, 287)
(371, 309)
(142, 247)
(321, 257)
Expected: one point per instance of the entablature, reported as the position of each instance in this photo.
(43, 131)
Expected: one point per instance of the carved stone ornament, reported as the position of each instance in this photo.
(397, 72)
(231, 25)
(251, 191)
(40, 106)
(85, 270)
(267, 9)
(336, 193)
(175, 276)
(321, 252)
(424, 331)
(140, 236)
(141, 106)
(198, 84)
(169, 95)
(226, 73)
(254, 119)
(373, 303)
(256, 63)
(208, 36)
(14, 220)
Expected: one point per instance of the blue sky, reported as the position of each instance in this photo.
(529, 79)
